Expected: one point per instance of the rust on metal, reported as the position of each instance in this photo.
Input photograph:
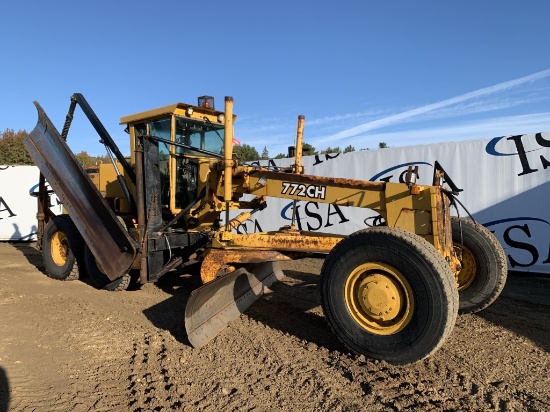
(211, 307)
(305, 242)
(218, 262)
(297, 167)
(329, 181)
(111, 244)
(442, 229)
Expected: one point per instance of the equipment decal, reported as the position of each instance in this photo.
(302, 190)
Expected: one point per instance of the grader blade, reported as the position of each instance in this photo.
(211, 307)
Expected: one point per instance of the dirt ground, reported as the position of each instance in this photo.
(65, 346)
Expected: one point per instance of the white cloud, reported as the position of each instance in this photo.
(430, 108)
(485, 128)
(343, 117)
(277, 135)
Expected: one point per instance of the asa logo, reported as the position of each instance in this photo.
(312, 217)
(400, 171)
(33, 191)
(525, 239)
(5, 209)
(520, 145)
(249, 226)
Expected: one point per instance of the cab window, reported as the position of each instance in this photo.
(161, 128)
(200, 135)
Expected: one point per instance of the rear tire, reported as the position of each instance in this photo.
(389, 294)
(100, 279)
(62, 249)
(484, 268)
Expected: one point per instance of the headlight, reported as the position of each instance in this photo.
(221, 118)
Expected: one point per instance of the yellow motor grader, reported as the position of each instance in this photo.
(390, 292)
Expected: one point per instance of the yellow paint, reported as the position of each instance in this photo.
(379, 298)
(59, 248)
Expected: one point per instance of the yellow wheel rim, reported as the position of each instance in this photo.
(60, 248)
(379, 298)
(469, 269)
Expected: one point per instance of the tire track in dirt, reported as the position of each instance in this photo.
(23, 389)
(68, 347)
(446, 381)
(459, 384)
(149, 383)
(67, 378)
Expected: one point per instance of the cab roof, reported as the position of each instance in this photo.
(179, 108)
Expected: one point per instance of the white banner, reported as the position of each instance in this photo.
(505, 182)
(17, 207)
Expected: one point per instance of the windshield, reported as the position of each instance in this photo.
(202, 135)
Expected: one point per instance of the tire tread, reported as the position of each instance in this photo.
(411, 242)
(497, 275)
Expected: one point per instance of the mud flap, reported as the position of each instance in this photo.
(211, 307)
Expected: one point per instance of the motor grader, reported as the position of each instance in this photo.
(389, 292)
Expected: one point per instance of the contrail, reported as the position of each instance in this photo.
(375, 124)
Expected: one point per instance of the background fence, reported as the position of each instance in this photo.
(505, 183)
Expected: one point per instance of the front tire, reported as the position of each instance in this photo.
(388, 294)
(484, 268)
(100, 279)
(62, 249)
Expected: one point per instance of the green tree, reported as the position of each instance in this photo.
(383, 145)
(12, 150)
(281, 156)
(331, 150)
(84, 159)
(97, 160)
(245, 153)
(265, 154)
(349, 148)
(308, 150)
(87, 160)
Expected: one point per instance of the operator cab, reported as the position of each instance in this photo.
(189, 139)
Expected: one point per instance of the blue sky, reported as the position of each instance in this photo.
(402, 72)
